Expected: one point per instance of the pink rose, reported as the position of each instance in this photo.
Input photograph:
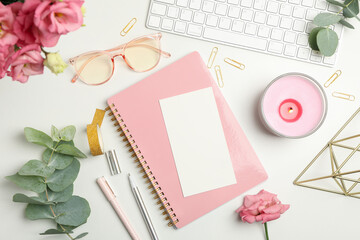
(263, 206)
(26, 62)
(7, 37)
(56, 18)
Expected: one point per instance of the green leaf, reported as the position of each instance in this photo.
(61, 179)
(52, 231)
(70, 150)
(73, 212)
(81, 235)
(67, 228)
(312, 38)
(19, 197)
(326, 19)
(36, 168)
(56, 160)
(336, 3)
(352, 10)
(327, 41)
(34, 212)
(55, 134)
(68, 133)
(346, 24)
(62, 196)
(31, 183)
(38, 137)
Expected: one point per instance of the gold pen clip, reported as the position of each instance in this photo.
(234, 63)
(345, 96)
(211, 60)
(128, 27)
(219, 76)
(332, 78)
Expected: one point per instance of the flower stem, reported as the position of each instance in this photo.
(266, 231)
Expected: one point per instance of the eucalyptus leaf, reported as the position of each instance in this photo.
(61, 179)
(31, 183)
(34, 212)
(62, 196)
(70, 150)
(52, 232)
(38, 137)
(312, 38)
(346, 24)
(327, 41)
(55, 134)
(67, 133)
(326, 19)
(68, 229)
(81, 235)
(36, 168)
(56, 160)
(352, 10)
(336, 3)
(19, 197)
(73, 212)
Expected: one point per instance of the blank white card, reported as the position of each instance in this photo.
(197, 141)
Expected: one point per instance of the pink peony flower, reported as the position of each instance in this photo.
(263, 206)
(7, 37)
(53, 19)
(4, 55)
(26, 62)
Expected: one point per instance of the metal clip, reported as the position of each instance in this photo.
(345, 96)
(219, 76)
(332, 78)
(234, 63)
(214, 51)
(113, 162)
(128, 27)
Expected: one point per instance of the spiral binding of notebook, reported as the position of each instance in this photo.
(146, 170)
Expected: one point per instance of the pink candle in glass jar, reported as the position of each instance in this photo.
(293, 105)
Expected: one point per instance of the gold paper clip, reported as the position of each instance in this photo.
(234, 63)
(219, 76)
(128, 27)
(332, 78)
(214, 51)
(345, 96)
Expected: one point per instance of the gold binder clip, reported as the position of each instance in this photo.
(128, 27)
(214, 51)
(234, 63)
(345, 96)
(332, 78)
(219, 76)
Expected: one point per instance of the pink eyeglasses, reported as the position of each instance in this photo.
(97, 67)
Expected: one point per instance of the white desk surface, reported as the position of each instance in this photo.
(48, 99)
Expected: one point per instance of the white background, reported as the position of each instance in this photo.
(48, 99)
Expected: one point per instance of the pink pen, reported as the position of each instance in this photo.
(105, 187)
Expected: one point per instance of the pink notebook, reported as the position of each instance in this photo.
(139, 114)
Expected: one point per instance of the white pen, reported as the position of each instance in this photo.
(143, 210)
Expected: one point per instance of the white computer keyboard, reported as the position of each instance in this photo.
(276, 27)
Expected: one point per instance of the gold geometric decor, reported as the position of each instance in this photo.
(337, 166)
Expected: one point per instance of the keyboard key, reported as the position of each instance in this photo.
(277, 34)
(299, 26)
(199, 17)
(321, 4)
(234, 12)
(166, 1)
(330, 60)
(173, 12)
(302, 39)
(286, 23)
(259, 4)
(290, 50)
(186, 15)
(182, 3)
(221, 0)
(315, 56)
(264, 31)
(208, 6)
(238, 26)
(303, 53)
(221, 9)
(260, 17)
(311, 14)
(290, 37)
(235, 2)
(297, 2)
(158, 9)
(247, 14)
(154, 21)
(194, 30)
(307, 3)
(180, 27)
(298, 12)
(273, 20)
(167, 24)
(246, 3)
(195, 4)
(272, 7)
(236, 39)
(212, 20)
(285, 9)
(250, 29)
(310, 26)
(225, 23)
(275, 47)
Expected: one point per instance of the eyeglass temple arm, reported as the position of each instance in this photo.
(121, 47)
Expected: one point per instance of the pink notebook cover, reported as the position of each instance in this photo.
(138, 111)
